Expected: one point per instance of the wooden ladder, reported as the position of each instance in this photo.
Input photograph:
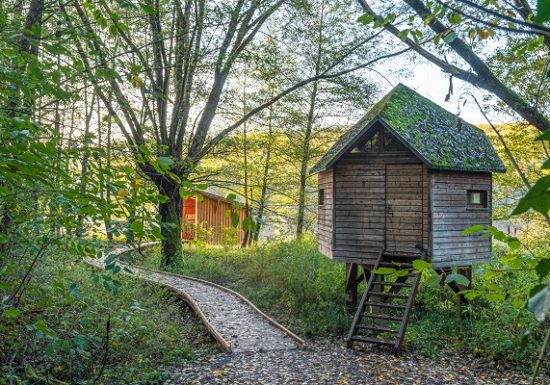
(386, 304)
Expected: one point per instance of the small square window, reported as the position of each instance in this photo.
(477, 198)
(321, 197)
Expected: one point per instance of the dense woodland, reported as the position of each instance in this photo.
(114, 112)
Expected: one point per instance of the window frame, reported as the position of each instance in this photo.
(484, 200)
(321, 198)
(383, 138)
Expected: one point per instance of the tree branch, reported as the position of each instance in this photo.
(323, 76)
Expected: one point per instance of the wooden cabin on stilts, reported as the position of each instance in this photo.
(402, 185)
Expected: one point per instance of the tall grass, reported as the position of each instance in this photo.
(291, 280)
(151, 331)
(303, 289)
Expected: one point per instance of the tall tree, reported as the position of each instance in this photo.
(176, 55)
(444, 24)
(323, 42)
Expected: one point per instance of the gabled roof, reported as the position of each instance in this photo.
(439, 138)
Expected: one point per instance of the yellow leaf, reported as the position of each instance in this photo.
(136, 183)
(123, 193)
(136, 81)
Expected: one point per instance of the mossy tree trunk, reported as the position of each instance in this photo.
(170, 212)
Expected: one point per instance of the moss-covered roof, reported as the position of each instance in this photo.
(439, 138)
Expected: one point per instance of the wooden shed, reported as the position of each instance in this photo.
(402, 184)
(207, 217)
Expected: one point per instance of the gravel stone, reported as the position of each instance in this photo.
(235, 320)
(331, 363)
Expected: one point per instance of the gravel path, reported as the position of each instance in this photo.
(236, 321)
(331, 363)
(265, 354)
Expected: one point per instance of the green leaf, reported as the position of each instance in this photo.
(365, 18)
(546, 164)
(512, 242)
(384, 270)
(41, 326)
(543, 268)
(458, 279)
(543, 11)
(539, 304)
(400, 273)
(165, 162)
(546, 135)
(454, 18)
(449, 37)
(537, 198)
(471, 294)
(148, 9)
(403, 34)
(249, 224)
(11, 313)
(231, 197)
(235, 219)
(185, 192)
(474, 229)
(421, 265)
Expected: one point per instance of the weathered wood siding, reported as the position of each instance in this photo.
(405, 203)
(451, 216)
(209, 221)
(360, 188)
(325, 218)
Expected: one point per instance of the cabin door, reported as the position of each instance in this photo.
(404, 221)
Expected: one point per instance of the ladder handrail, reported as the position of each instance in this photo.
(408, 309)
(360, 308)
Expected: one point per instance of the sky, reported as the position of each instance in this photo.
(430, 81)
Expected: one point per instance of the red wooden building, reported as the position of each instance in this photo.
(207, 217)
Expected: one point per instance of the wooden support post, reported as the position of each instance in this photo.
(351, 286)
(460, 299)
(354, 277)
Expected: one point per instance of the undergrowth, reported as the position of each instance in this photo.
(304, 290)
(59, 336)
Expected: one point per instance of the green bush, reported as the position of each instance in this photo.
(291, 280)
(304, 290)
(60, 331)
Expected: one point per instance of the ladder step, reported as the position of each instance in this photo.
(397, 265)
(388, 294)
(376, 297)
(378, 329)
(383, 304)
(371, 340)
(389, 283)
(382, 316)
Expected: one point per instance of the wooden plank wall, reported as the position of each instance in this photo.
(404, 204)
(211, 217)
(451, 216)
(360, 207)
(326, 213)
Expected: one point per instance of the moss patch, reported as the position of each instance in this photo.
(439, 138)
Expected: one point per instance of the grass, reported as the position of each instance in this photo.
(59, 337)
(304, 290)
(292, 281)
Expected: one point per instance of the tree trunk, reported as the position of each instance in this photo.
(247, 235)
(170, 214)
(306, 150)
(482, 76)
(262, 202)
